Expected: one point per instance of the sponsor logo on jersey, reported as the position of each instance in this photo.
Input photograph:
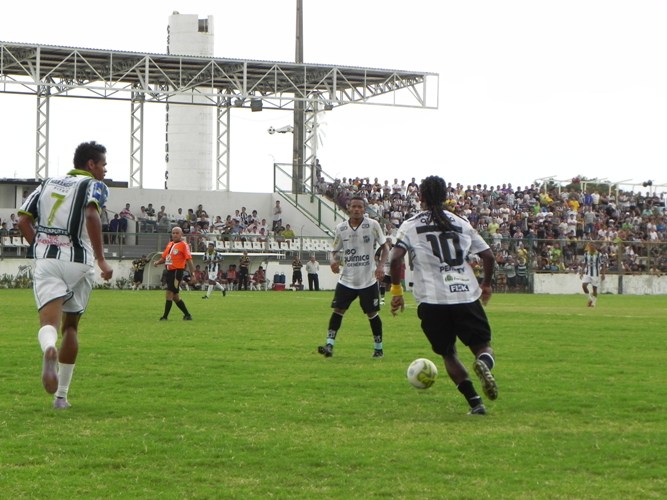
(456, 288)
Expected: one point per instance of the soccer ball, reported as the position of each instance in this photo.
(422, 373)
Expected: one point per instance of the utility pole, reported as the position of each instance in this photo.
(298, 152)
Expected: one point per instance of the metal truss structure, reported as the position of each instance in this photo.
(52, 71)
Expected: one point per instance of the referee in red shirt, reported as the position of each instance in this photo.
(176, 257)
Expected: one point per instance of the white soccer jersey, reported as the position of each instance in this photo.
(356, 249)
(593, 264)
(442, 274)
(213, 261)
(58, 208)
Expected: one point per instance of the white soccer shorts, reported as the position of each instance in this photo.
(72, 281)
(593, 280)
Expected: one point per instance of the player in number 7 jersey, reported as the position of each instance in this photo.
(61, 221)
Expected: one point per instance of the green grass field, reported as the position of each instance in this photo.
(238, 404)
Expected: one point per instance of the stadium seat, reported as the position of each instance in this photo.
(307, 245)
(7, 243)
(21, 244)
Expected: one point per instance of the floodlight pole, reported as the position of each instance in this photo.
(299, 109)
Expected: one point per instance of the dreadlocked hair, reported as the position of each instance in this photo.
(434, 194)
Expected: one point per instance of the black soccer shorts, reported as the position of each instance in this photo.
(443, 323)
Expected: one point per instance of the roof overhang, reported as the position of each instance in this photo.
(78, 72)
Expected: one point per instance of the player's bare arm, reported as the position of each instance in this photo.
(395, 263)
(379, 270)
(27, 227)
(335, 263)
(94, 227)
(488, 264)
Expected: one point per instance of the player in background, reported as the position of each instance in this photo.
(244, 271)
(61, 222)
(385, 283)
(138, 266)
(446, 290)
(176, 257)
(213, 259)
(592, 272)
(353, 252)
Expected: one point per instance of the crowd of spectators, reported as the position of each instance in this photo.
(538, 227)
(542, 228)
(198, 227)
(9, 226)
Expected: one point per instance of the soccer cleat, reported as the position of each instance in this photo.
(224, 292)
(205, 297)
(325, 350)
(187, 317)
(61, 404)
(590, 303)
(480, 409)
(378, 353)
(163, 318)
(49, 373)
(486, 378)
(381, 302)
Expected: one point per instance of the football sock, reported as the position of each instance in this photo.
(167, 308)
(335, 321)
(378, 342)
(331, 337)
(181, 305)
(468, 390)
(376, 326)
(334, 324)
(47, 336)
(487, 358)
(65, 372)
(209, 290)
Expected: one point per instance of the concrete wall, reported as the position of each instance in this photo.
(631, 285)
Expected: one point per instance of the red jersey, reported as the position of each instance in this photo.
(176, 255)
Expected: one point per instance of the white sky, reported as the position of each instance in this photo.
(528, 89)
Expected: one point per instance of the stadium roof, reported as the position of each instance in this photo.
(80, 72)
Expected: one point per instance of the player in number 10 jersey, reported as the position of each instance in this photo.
(446, 290)
(439, 259)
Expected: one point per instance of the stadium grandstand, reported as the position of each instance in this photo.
(535, 231)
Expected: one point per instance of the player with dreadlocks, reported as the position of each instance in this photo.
(445, 288)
